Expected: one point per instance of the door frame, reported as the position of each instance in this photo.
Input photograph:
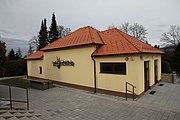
(155, 71)
(146, 76)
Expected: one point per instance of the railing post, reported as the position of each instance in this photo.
(27, 98)
(126, 91)
(133, 93)
(10, 97)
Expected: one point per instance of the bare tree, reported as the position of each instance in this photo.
(125, 27)
(136, 30)
(111, 26)
(33, 44)
(172, 37)
(63, 31)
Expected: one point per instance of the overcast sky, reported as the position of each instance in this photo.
(21, 19)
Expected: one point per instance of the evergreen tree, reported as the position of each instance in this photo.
(17, 57)
(43, 35)
(176, 59)
(53, 33)
(19, 53)
(2, 58)
(30, 50)
(11, 55)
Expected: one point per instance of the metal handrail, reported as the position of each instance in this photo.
(10, 96)
(129, 90)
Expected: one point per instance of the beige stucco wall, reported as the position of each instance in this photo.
(80, 74)
(83, 71)
(134, 75)
(33, 68)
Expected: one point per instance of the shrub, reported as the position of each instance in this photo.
(165, 67)
(15, 67)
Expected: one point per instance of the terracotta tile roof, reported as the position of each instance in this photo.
(117, 42)
(112, 42)
(82, 36)
(36, 55)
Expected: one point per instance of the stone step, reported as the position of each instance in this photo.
(27, 114)
(13, 118)
(37, 115)
(24, 118)
(19, 115)
(2, 111)
(35, 118)
(1, 118)
(6, 115)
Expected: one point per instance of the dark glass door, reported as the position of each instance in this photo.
(146, 75)
(155, 72)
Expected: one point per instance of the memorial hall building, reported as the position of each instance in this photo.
(99, 61)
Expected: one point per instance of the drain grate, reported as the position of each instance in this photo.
(152, 92)
(160, 84)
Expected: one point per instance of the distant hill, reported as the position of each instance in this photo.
(14, 44)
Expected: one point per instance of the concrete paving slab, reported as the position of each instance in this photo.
(167, 96)
(63, 103)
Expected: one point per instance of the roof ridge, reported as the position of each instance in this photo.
(127, 39)
(107, 30)
(100, 37)
(90, 33)
(75, 31)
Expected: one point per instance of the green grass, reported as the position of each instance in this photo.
(17, 82)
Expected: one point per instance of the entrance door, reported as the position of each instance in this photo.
(146, 75)
(155, 72)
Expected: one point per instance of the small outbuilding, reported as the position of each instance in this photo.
(100, 61)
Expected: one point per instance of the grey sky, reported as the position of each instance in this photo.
(21, 19)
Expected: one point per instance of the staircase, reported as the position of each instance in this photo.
(19, 115)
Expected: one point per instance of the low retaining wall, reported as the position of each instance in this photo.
(168, 77)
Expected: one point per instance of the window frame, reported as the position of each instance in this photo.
(40, 69)
(113, 68)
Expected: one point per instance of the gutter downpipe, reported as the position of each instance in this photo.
(95, 85)
(95, 79)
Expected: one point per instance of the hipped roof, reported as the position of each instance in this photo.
(111, 42)
(118, 42)
(36, 55)
(82, 36)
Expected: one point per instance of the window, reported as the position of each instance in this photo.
(114, 68)
(40, 70)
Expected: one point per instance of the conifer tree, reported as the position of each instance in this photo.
(17, 57)
(30, 50)
(11, 55)
(53, 33)
(176, 59)
(19, 53)
(2, 58)
(45, 32)
(43, 35)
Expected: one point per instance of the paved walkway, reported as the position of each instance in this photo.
(63, 103)
(167, 96)
(3, 78)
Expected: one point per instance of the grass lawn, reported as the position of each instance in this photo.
(18, 82)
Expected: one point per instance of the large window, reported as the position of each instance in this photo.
(114, 68)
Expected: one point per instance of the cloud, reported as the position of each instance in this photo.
(161, 26)
(159, 30)
(2, 31)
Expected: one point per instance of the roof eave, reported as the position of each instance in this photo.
(34, 58)
(111, 54)
(70, 46)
